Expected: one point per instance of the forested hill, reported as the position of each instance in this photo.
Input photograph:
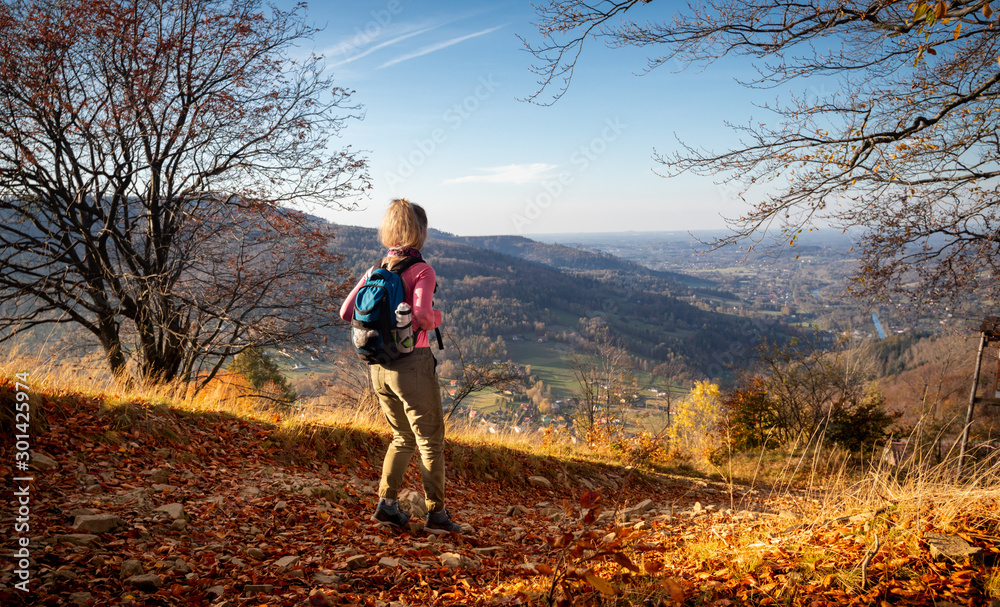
(566, 258)
(487, 294)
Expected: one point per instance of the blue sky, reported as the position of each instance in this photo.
(440, 84)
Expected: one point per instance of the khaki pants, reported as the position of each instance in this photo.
(410, 396)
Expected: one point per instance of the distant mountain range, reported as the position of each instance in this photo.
(565, 257)
(502, 286)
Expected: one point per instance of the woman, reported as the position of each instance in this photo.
(407, 388)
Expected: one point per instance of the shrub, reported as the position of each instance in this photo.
(263, 375)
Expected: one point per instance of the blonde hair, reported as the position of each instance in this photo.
(404, 225)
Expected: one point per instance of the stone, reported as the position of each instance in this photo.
(159, 477)
(97, 523)
(516, 510)
(97, 562)
(250, 491)
(147, 582)
(414, 503)
(77, 539)
(488, 550)
(540, 481)
(255, 553)
(41, 461)
(950, 547)
(255, 588)
(286, 562)
(235, 562)
(130, 568)
(178, 524)
(216, 591)
(173, 511)
(358, 561)
(641, 508)
(323, 578)
(322, 491)
(280, 505)
(181, 566)
(453, 560)
(81, 598)
(386, 561)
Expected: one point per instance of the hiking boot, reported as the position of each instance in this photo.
(386, 513)
(439, 523)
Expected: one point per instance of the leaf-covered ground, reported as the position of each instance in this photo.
(215, 510)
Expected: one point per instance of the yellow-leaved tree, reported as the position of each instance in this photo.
(695, 430)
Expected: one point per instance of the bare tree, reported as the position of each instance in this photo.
(477, 375)
(606, 382)
(906, 150)
(149, 153)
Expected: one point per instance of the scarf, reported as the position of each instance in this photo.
(403, 252)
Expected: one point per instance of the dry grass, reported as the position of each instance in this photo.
(817, 484)
(827, 478)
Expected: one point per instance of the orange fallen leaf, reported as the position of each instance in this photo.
(599, 583)
(589, 499)
(652, 566)
(675, 590)
(625, 562)
(544, 569)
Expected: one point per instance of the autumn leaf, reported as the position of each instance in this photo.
(599, 583)
(590, 498)
(544, 569)
(940, 9)
(625, 562)
(675, 590)
(652, 567)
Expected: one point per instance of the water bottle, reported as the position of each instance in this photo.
(404, 328)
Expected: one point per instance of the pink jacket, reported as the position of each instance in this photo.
(418, 282)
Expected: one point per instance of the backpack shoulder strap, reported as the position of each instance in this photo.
(402, 266)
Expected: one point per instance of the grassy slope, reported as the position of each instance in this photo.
(288, 488)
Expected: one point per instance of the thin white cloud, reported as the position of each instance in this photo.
(350, 48)
(512, 173)
(436, 47)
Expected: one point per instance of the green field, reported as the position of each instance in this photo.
(548, 363)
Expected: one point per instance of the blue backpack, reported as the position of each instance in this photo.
(373, 326)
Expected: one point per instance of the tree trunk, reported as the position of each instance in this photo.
(111, 341)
